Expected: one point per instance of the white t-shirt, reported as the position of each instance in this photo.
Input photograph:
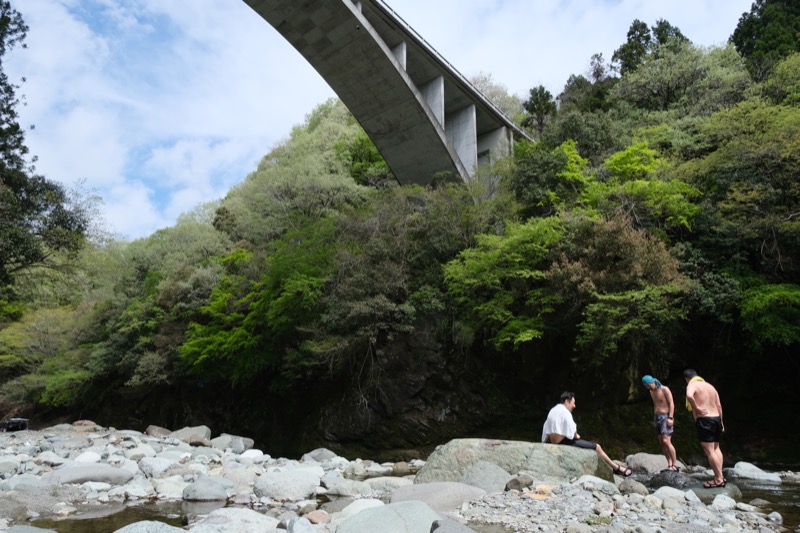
(559, 420)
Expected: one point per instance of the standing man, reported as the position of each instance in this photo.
(663, 420)
(702, 400)
(560, 428)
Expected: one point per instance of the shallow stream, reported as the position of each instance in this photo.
(784, 498)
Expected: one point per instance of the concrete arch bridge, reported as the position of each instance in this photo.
(422, 114)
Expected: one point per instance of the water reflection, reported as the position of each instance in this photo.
(783, 498)
(109, 518)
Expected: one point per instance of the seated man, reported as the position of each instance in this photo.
(561, 429)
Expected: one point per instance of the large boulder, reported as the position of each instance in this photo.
(443, 497)
(293, 485)
(236, 520)
(648, 462)
(487, 476)
(544, 462)
(743, 470)
(401, 517)
(676, 480)
(81, 473)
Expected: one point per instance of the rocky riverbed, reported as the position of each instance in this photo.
(68, 471)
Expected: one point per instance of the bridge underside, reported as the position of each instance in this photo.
(422, 115)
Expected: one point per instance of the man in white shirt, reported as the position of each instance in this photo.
(560, 428)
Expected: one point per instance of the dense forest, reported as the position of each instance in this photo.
(653, 226)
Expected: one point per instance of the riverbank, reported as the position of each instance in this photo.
(65, 472)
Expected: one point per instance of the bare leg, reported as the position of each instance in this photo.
(604, 456)
(668, 449)
(714, 455)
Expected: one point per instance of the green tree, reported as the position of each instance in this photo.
(500, 282)
(540, 106)
(36, 215)
(630, 54)
(643, 41)
(767, 34)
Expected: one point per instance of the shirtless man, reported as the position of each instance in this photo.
(560, 428)
(702, 400)
(663, 420)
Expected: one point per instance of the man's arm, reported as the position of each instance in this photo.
(690, 398)
(719, 409)
(670, 405)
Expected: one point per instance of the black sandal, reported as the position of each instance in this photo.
(624, 472)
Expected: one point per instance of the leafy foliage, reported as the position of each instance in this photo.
(767, 34)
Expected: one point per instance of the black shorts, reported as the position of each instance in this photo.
(580, 443)
(709, 428)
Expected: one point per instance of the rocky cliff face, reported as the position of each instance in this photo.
(411, 395)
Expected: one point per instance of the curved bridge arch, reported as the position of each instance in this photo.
(424, 117)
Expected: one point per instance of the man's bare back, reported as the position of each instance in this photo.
(704, 399)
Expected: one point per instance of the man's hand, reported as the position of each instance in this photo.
(701, 411)
(670, 422)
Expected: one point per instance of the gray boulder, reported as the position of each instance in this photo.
(207, 489)
(544, 462)
(648, 462)
(400, 517)
(743, 470)
(81, 473)
(444, 497)
(670, 479)
(192, 434)
(289, 485)
(149, 526)
(707, 495)
(631, 486)
(153, 467)
(487, 476)
(236, 520)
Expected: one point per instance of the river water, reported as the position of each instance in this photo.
(784, 498)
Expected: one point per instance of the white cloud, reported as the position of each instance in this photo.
(161, 105)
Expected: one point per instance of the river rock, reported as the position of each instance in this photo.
(670, 479)
(544, 462)
(235, 520)
(387, 483)
(743, 470)
(631, 486)
(487, 476)
(193, 434)
(207, 489)
(442, 496)
(399, 517)
(294, 485)
(81, 473)
(154, 466)
(707, 495)
(149, 526)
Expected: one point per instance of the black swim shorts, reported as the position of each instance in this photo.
(709, 428)
(580, 443)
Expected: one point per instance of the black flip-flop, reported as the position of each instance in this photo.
(714, 485)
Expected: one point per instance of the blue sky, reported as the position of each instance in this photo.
(161, 105)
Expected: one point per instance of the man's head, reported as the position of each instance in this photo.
(568, 399)
(651, 383)
(688, 374)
